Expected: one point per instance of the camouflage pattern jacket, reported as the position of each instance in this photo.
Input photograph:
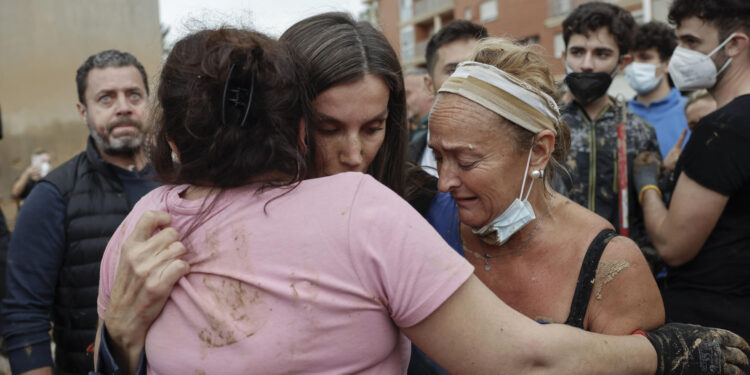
(592, 163)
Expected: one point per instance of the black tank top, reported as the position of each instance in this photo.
(586, 277)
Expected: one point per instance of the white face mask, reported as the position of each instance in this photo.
(515, 217)
(44, 169)
(692, 70)
(642, 77)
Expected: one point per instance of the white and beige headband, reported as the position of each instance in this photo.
(505, 95)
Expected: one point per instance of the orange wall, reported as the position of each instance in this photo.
(516, 19)
(389, 23)
(43, 42)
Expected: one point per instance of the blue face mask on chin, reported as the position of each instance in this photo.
(515, 217)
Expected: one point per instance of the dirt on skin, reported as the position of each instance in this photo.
(605, 273)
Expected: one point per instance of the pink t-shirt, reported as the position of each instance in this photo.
(318, 284)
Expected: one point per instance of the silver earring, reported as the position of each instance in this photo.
(537, 173)
(175, 159)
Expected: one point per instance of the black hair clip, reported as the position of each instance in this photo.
(237, 98)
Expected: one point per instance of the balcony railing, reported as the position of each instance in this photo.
(425, 6)
(561, 7)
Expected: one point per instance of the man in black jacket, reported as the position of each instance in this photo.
(67, 220)
(4, 236)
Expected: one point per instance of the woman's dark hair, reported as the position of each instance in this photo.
(335, 50)
(203, 118)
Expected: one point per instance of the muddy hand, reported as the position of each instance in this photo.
(150, 265)
(686, 349)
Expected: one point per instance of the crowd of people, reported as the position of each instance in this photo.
(300, 205)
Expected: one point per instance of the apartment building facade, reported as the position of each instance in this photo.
(408, 24)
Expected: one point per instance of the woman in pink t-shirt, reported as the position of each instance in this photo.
(285, 275)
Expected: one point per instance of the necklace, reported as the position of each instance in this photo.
(487, 256)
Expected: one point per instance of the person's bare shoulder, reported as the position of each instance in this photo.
(625, 297)
(578, 223)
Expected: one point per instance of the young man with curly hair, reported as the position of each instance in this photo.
(598, 38)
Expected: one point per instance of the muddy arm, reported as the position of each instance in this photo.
(474, 332)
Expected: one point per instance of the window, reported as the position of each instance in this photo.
(488, 11)
(407, 9)
(559, 7)
(407, 43)
(467, 13)
(529, 40)
(559, 45)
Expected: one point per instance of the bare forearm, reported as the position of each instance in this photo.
(571, 351)
(126, 350)
(126, 338)
(20, 185)
(654, 215)
(473, 332)
(125, 325)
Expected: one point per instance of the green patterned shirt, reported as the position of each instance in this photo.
(592, 163)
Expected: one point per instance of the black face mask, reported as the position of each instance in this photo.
(587, 86)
